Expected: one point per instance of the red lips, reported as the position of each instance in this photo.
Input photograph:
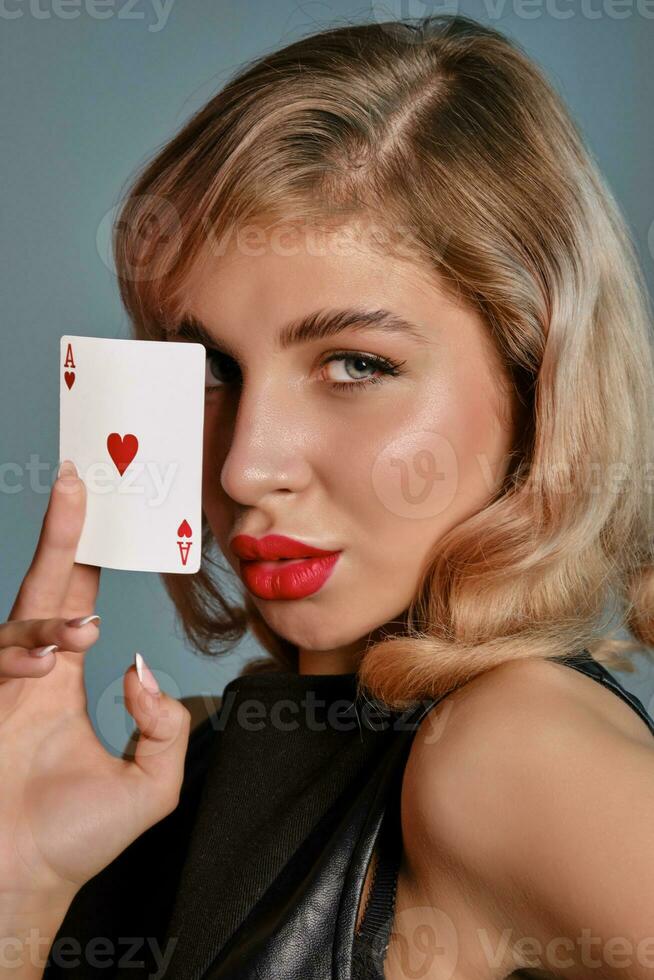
(272, 547)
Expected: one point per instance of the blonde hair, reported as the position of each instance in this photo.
(446, 128)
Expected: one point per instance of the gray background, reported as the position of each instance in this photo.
(89, 93)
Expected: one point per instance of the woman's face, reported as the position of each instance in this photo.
(376, 470)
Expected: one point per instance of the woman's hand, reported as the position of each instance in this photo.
(69, 807)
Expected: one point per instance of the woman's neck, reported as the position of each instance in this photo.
(345, 660)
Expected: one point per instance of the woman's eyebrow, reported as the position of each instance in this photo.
(318, 325)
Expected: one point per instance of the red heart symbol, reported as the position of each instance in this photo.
(122, 450)
(69, 378)
(184, 530)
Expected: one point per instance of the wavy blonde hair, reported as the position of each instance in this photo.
(447, 128)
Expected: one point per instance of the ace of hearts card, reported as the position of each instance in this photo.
(131, 419)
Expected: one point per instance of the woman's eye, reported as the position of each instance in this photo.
(351, 370)
(356, 368)
(219, 369)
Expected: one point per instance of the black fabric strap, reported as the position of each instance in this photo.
(371, 941)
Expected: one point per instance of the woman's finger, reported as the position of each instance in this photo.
(72, 634)
(28, 647)
(83, 588)
(164, 726)
(47, 580)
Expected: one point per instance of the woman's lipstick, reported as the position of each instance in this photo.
(279, 567)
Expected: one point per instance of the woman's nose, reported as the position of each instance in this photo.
(269, 445)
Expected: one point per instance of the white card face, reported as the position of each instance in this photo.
(131, 419)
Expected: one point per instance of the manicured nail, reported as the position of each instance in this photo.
(67, 471)
(83, 620)
(43, 651)
(146, 676)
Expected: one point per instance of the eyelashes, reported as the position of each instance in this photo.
(386, 369)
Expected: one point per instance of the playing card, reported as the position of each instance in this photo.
(131, 419)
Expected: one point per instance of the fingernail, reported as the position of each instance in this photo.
(146, 677)
(43, 651)
(82, 620)
(67, 471)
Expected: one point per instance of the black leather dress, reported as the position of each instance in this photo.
(258, 873)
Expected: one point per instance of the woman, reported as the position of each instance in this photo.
(409, 208)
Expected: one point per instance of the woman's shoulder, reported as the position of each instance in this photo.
(511, 748)
(514, 793)
(515, 713)
(524, 706)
